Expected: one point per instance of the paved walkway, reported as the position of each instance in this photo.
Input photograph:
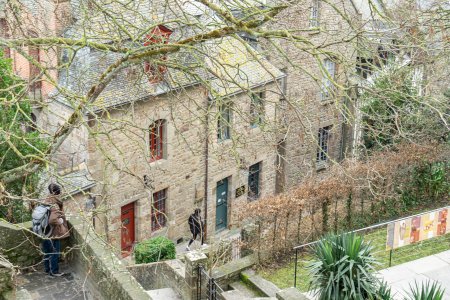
(41, 286)
(435, 267)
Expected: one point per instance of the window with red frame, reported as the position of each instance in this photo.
(159, 35)
(156, 142)
(159, 210)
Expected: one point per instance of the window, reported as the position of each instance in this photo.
(159, 35)
(322, 150)
(253, 181)
(159, 210)
(327, 79)
(257, 109)
(364, 66)
(156, 141)
(223, 123)
(314, 17)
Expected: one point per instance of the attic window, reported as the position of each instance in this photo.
(159, 35)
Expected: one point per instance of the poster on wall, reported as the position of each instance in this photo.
(441, 227)
(399, 234)
(417, 228)
(429, 224)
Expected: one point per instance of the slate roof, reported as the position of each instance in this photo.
(72, 183)
(76, 182)
(119, 20)
(225, 66)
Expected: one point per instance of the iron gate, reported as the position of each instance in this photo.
(207, 287)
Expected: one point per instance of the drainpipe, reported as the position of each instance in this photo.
(205, 197)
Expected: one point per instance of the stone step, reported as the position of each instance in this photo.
(244, 289)
(266, 287)
(164, 294)
(291, 294)
(232, 295)
(237, 295)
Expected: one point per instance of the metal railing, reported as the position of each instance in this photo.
(377, 236)
(207, 287)
(236, 245)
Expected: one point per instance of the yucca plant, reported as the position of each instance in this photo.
(428, 291)
(342, 268)
(384, 291)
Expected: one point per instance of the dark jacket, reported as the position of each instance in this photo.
(195, 223)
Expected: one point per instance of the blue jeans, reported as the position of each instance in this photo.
(51, 249)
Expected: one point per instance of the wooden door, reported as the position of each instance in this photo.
(222, 204)
(127, 219)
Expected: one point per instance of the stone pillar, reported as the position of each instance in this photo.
(192, 260)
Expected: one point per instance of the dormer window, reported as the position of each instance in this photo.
(159, 35)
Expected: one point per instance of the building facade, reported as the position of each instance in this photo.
(159, 143)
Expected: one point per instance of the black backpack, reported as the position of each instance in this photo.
(41, 216)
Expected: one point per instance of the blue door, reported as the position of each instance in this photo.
(221, 204)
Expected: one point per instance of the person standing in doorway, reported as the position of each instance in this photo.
(196, 227)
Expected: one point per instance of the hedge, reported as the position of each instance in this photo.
(153, 250)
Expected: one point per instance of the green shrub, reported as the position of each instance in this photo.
(153, 250)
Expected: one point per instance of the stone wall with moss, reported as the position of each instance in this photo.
(105, 273)
(6, 277)
(18, 245)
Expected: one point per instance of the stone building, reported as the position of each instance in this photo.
(317, 86)
(210, 131)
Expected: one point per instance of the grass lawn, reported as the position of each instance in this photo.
(283, 274)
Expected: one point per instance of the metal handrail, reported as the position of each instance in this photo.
(374, 226)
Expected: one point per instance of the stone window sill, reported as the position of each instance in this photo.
(322, 165)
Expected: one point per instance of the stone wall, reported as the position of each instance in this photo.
(161, 275)
(305, 111)
(18, 244)
(105, 273)
(120, 160)
(6, 277)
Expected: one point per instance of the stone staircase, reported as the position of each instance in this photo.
(254, 287)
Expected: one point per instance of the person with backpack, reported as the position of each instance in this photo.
(50, 223)
(196, 227)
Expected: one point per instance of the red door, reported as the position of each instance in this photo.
(127, 219)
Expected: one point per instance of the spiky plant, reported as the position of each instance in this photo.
(427, 291)
(343, 268)
(384, 291)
